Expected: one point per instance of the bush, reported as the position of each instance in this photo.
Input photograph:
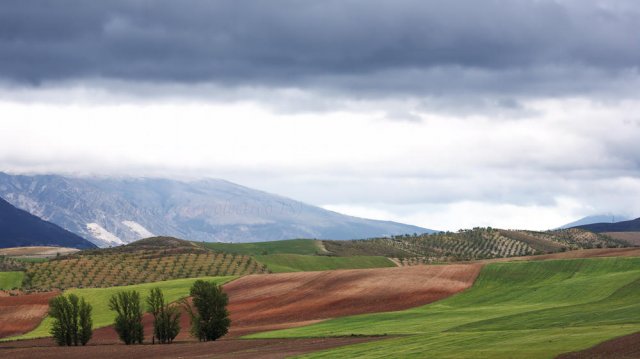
(210, 320)
(72, 324)
(166, 318)
(128, 323)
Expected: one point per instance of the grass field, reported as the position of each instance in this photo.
(517, 309)
(30, 259)
(99, 299)
(280, 263)
(293, 246)
(10, 280)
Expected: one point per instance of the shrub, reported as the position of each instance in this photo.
(72, 323)
(166, 318)
(128, 323)
(210, 320)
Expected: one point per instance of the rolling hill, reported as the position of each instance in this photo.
(144, 261)
(115, 211)
(20, 228)
(472, 244)
(514, 310)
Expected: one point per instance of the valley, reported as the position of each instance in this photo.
(406, 296)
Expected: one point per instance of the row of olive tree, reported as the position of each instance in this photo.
(209, 320)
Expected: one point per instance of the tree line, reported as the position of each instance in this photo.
(73, 325)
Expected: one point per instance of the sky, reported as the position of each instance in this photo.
(444, 114)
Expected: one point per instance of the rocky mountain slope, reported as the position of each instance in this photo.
(114, 211)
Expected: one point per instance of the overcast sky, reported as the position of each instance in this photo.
(445, 114)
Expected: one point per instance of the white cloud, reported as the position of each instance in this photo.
(566, 158)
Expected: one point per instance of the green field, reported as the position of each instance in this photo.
(10, 280)
(292, 246)
(30, 259)
(99, 299)
(280, 263)
(519, 309)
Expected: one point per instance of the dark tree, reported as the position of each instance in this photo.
(210, 319)
(128, 323)
(72, 324)
(166, 318)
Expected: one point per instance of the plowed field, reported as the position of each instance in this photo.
(22, 313)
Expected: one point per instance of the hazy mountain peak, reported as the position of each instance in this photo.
(599, 218)
(111, 211)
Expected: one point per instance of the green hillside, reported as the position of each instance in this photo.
(10, 280)
(518, 309)
(471, 244)
(279, 263)
(99, 299)
(101, 269)
(292, 246)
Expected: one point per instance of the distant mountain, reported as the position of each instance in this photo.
(624, 226)
(602, 218)
(109, 211)
(19, 228)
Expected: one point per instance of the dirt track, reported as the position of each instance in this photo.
(583, 253)
(22, 313)
(226, 348)
(624, 347)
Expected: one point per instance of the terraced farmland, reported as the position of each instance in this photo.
(516, 309)
(117, 269)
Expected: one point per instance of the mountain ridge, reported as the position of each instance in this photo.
(115, 211)
(598, 218)
(19, 228)
(623, 226)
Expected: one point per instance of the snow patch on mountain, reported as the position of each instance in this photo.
(138, 229)
(103, 235)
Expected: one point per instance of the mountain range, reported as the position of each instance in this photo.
(115, 211)
(600, 218)
(623, 226)
(20, 228)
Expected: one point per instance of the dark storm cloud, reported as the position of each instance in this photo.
(357, 46)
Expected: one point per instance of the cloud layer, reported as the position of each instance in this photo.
(355, 47)
(445, 114)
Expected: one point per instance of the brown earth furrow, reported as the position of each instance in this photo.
(625, 347)
(292, 299)
(226, 348)
(277, 301)
(22, 313)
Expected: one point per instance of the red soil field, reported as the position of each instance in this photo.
(22, 313)
(624, 347)
(260, 303)
(266, 302)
